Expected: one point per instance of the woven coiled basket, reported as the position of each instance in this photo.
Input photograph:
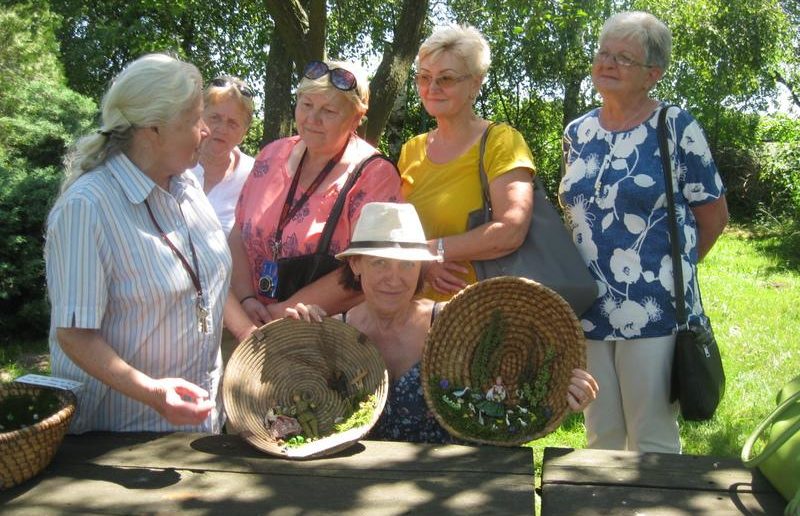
(26, 452)
(288, 356)
(535, 319)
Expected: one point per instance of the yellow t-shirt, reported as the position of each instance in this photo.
(445, 193)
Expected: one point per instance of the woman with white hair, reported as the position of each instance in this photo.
(613, 194)
(281, 250)
(137, 266)
(440, 167)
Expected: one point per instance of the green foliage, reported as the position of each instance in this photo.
(39, 119)
(25, 198)
(28, 46)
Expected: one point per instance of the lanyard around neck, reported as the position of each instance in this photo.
(192, 274)
(291, 207)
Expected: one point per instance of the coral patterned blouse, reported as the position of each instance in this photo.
(261, 202)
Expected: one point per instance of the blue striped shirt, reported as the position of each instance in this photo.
(109, 269)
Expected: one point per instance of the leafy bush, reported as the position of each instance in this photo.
(37, 124)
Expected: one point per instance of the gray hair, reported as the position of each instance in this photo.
(644, 28)
(149, 91)
(358, 96)
(464, 41)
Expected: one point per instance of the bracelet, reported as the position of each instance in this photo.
(245, 298)
(440, 247)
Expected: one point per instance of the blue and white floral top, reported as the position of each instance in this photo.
(613, 196)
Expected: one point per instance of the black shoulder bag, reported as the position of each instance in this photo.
(548, 254)
(296, 272)
(698, 380)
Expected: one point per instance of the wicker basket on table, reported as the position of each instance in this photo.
(325, 362)
(27, 451)
(541, 336)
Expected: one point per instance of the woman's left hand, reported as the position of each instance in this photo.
(582, 390)
(442, 277)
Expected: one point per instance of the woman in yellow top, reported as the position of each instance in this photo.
(440, 168)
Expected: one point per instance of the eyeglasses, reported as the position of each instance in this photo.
(341, 79)
(424, 80)
(223, 82)
(619, 59)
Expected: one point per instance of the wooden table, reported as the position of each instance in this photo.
(115, 473)
(585, 482)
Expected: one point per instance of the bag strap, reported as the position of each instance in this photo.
(752, 462)
(336, 212)
(672, 218)
(487, 201)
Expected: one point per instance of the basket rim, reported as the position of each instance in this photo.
(249, 359)
(58, 417)
(480, 291)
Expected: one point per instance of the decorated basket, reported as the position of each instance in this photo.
(326, 376)
(24, 452)
(498, 361)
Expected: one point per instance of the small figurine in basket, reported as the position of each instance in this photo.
(497, 392)
(304, 409)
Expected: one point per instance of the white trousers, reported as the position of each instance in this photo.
(632, 410)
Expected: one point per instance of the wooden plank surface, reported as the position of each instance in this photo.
(585, 482)
(194, 474)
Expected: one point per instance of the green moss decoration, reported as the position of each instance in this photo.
(468, 411)
(485, 357)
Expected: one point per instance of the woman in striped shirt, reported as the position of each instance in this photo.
(137, 264)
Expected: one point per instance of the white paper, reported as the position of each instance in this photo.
(51, 381)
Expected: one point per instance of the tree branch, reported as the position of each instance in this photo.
(293, 26)
(779, 78)
(393, 70)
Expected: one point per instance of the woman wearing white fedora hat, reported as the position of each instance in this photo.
(386, 258)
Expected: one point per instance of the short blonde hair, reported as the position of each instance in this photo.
(232, 89)
(644, 28)
(464, 41)
(358, 96)
(150, 91)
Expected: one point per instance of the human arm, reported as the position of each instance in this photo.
(512, 204)
(326, 293)
(236, 319)
(241, 282)
(711, 218)
(176, 400)
(582, 390)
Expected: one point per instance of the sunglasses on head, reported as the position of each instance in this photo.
(222, 82)
(341, 79)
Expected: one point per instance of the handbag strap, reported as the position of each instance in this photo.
(672, 218)
(487, 201)
(333, 219)
(778, 441)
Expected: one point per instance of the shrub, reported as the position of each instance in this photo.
(37, 124)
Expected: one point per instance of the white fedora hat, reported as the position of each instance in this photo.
(389, 230)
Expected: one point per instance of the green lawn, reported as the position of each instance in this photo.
(751, 291)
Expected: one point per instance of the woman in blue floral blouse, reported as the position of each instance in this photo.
(385, 261)
(613, 196)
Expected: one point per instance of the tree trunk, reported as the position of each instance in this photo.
(393, 70)
(277, 92)
(303, 42)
